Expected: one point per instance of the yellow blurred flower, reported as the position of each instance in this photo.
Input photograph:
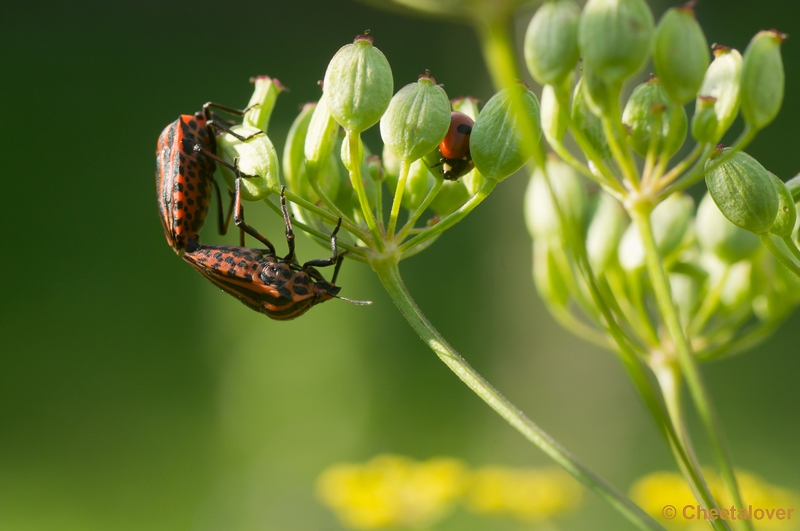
(658, 490)
(529, 494)
(392, 491)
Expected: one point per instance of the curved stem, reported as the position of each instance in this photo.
(658, 277)
(768, 242)
(389, 275)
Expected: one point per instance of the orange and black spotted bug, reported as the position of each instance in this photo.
(280, 288)
(185, 165)
(454, 148)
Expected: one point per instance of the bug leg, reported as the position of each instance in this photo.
(216, 124)
(324, 262)
(289, 232)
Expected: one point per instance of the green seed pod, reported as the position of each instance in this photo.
(417, 119)
(615, 37)
(704, 122)
(787, 211)
(262, 102)
(763, 79)
(649, 112)
(467, 105)
(495, 143)
(418, 182)
(257, 157)
(551, 42)
(554, 116)
(587, 121)
(548, 274)
(670, 220)
(680, 53)
(358, 84)
(722, 81)
(605, 232)
(719, 236)
(744, 192)
(452, 195)
(793, 185)
(540, 213)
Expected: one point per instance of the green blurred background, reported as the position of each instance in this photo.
(135, 395)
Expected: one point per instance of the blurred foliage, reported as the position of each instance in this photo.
(134, 395)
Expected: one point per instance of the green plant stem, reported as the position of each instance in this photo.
(398, 197)
(770, 244)
(412, 219)
(498, 55)
(640, 214)
(358, 185)
(389, 274)
(452, 219)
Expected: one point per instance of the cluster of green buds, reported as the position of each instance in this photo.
(724, 284)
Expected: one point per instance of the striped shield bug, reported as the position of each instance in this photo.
(185, 165)
(280, 288)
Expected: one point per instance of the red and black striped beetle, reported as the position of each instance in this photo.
(280, 288)
(185, 165)
(454, 148)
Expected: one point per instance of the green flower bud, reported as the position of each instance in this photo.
(787, 211)
(722, 81)
(551, 42)
(554, 116)
(762, 78)
(452, 195)
(418, 182)
(704, 122)
(649, 112)
(615, 37)
(744, 192)
(670, 221)
(548, 274)
(495, 143)
(793, 185)
(587, 121)
(417, 119)
(466, 104)
(262, 102)
(605, 231)
(358, 84)
(719, 236)
(257, 157)
(540, 213)
(680, 53)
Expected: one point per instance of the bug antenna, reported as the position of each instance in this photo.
(351, 301)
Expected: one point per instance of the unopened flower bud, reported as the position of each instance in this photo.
(587, 121)
(719, 236)
(256, 157)
(541, 215)
(650, 112)
(762, 79)
(744, 192)
(670, 221)
(495, 144)
(358, 84)
(452, 195)
(722, 81)
(605, 231)
(262, 102)
(555, 117)
(551, 42)
(705, 125)
(680, 54)
(417, 119)
(787, 211)
(615, 37)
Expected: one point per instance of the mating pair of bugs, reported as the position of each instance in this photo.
(280, 288)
